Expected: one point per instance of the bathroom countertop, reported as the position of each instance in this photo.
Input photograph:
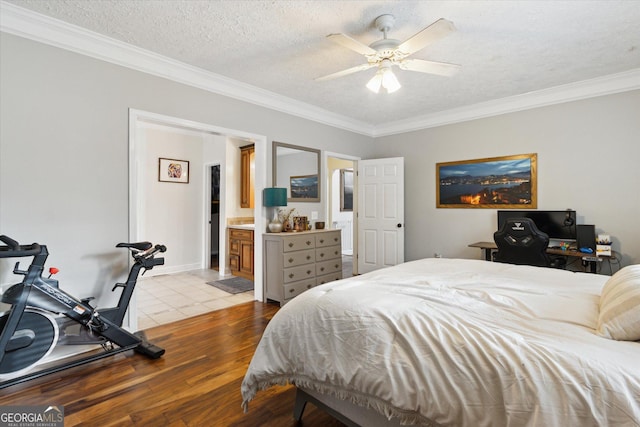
(243, 226)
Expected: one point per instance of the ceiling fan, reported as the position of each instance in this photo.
(386, 53)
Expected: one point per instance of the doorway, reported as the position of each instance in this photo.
(342, 203)
(215, 218)
(143, 178)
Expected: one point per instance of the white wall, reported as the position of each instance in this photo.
(173, 213)
(64, 147)
(588, 153)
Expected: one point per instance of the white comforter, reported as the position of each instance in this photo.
(456, 342)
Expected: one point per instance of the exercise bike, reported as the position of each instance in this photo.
(43, 316)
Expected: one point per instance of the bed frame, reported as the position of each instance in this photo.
(346, 412)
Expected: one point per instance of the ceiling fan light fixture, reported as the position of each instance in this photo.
(384, 78)
(390, 81)
(387, 52)
(376, 81)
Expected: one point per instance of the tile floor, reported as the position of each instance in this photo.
(170, 297)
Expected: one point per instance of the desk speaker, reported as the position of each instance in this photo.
(586, 236)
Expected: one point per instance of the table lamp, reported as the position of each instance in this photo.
(275, 197)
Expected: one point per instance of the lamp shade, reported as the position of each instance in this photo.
(274, 197)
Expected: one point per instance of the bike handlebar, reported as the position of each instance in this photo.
(13, 249)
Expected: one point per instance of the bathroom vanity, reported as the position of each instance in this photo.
(241, 250)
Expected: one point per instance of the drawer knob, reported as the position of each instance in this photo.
(290, 244)
(321, 240)
(291, 275)
(337, 265)
(308, 257)
(321, 268)
(308, 242)
(322, 255)
(335, 239)
(291, 290)
(308, 271)
(290, 260)
(308, 286)
(335, 252)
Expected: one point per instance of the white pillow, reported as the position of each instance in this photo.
(619, 317)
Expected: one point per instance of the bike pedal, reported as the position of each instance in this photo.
(150, 350)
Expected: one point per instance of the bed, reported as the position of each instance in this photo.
(461, 342)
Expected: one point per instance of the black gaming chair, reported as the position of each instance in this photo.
(520, 242)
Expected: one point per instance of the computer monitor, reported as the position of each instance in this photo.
(558, 225)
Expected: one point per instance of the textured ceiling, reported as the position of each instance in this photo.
(506, 48)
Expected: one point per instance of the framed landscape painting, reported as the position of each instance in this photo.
(508, 182)
(304, 187)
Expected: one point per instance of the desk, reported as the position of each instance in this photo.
(591, 259)
(487, 248)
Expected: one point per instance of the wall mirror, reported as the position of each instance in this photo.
(298, 170)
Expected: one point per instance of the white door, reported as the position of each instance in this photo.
(380, 213)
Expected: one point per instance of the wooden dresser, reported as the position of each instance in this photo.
(295, 262)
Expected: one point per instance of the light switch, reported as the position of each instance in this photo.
(314, 214)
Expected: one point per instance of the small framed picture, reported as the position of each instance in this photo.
(172, 170)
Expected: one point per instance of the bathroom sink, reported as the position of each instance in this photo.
(244, 226)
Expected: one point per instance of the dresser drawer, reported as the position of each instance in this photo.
(327, 239)
(296, 243)
(293, 259)
(293, 289)
(294, 274)
(328, 278)
(326, 267)
(330, 252)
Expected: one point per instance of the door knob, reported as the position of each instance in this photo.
(399, 225)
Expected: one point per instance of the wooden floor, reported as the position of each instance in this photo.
(196, 383)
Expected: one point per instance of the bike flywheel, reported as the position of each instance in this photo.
(39, 330)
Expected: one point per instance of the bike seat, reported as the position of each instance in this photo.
(141, 246)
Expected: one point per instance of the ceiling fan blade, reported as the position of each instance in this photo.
(353, 44)
(431, 67)
(346, 72)
(432, 33)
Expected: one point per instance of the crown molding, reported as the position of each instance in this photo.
(41, 28)
(34, 26)
(606, 85)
